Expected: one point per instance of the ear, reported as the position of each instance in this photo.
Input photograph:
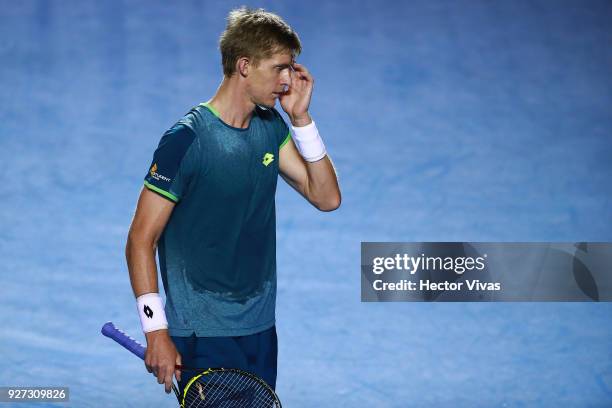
(243, 65)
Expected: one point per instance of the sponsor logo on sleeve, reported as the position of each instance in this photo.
(153, 172)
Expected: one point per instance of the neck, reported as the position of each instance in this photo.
(232, 102)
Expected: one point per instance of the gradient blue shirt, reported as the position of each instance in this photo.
(217, 254)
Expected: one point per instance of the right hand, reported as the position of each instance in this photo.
(161, 358)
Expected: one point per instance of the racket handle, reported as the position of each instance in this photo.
(109, 330)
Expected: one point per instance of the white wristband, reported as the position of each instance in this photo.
(308, 142)
(151, 311)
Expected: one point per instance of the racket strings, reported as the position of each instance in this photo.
(229, 389)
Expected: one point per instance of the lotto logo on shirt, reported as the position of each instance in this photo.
(156, 175)
(267, 159)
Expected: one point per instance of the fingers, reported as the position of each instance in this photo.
(164, 373)
(161, 375)
(161, 357)
(177, 372)
(164, 376)
(153, 365)
(302, 71)
(147, 362)
(168, 380)
(163, 369)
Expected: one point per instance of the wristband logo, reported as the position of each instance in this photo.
(148, 312)
(267, 159)
(153, 172)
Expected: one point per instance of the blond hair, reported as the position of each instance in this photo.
(255, 34)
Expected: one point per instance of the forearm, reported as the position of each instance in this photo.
(322, 185)
(306, 166)
(142, 267)
(161, 356)
(143, 277)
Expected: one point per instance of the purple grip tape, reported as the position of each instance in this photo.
(109, 330)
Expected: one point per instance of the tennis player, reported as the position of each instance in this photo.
(207, 207)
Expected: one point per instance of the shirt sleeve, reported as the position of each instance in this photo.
(283, 133)
(172, 167)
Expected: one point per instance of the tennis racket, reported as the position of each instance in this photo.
(213, 387)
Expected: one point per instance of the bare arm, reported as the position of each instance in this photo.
(152, 214)
(317, 181)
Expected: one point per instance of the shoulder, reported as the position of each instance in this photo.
(268, 114)
(277, 125)
(197, 119)
(178, 138)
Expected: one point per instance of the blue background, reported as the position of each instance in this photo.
(446, 120)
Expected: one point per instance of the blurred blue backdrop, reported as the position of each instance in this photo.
(446, 120)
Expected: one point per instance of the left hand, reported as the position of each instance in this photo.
(297, 98)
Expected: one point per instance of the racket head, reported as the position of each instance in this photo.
(228, 388)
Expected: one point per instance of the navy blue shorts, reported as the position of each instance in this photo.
(255, 353)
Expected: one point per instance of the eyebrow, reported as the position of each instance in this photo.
(283, 66)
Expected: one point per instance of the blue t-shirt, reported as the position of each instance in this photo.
(217, 254)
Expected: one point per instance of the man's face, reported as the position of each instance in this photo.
(270, 78)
